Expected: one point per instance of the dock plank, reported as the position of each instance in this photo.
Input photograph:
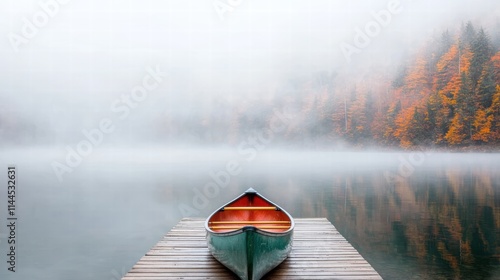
(319, 252)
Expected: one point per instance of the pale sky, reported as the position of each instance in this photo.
(91, 52)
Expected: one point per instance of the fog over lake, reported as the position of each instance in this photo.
(119, 203)
(122, 117)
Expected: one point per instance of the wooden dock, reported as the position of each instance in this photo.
(319, 252)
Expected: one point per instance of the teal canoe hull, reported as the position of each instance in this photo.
(250, 253)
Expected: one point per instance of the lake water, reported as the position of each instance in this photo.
(411, 215)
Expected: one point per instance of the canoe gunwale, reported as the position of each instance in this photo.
(249, 227)
(262, 250)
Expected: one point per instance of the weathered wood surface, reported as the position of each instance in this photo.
(319, 252)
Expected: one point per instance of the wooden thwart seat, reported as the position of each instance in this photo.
(250, 208)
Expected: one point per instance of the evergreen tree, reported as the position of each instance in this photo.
(495, 61)
(445, 43)
(439, 48)
(442, 114)
(486, 87)
(432, 109)
(429, 124)
(461, 124)
(359, 121)
(481, 53)
(467, 35)
(465, 103)
(416, 130)
(391, 122)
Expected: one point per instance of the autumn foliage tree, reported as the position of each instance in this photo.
(455, 106)
(447, 95)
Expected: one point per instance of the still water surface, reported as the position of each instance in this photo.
(426, 216)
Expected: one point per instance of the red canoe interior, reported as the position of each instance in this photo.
(250, 210)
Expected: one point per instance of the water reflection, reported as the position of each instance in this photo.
(441, 222)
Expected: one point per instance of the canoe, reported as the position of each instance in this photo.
(250, 235)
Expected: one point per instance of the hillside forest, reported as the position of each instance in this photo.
(446, 95)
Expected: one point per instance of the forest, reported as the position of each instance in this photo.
(449, 95)
(446, 95)
(443, 94)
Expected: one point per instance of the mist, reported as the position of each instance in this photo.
(90, 54)
(122, 117)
